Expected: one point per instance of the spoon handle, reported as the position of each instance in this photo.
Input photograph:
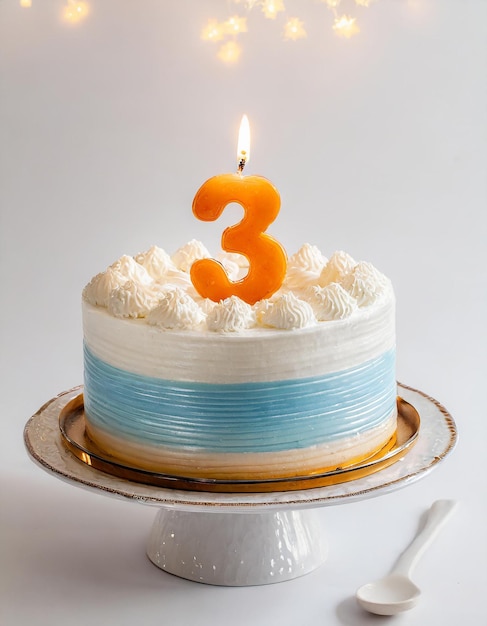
(438, 514)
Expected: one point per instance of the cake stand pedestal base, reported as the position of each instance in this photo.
(237, 549)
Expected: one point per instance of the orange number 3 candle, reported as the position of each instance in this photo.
(261, 203)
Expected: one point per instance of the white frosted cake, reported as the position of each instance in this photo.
(293, 386)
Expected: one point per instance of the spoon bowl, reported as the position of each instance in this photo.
(396, 592)
(389, 595)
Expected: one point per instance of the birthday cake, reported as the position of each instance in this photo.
(295, 385)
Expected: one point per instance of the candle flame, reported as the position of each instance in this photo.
(243, 147)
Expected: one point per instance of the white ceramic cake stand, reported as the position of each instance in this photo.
(239, 539)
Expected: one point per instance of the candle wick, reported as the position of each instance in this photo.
(241, 164)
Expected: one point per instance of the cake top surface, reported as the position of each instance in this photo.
(156, 288)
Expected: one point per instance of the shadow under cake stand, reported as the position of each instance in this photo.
(239, 539)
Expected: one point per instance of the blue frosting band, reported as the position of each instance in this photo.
(248, 417)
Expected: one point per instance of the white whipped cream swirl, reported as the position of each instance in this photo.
(365, 283)
(304, 268)
(156, 261)
(332, 302)
(230, 315)
(339, 265)
(128, 267)
(184, 258)
(131, 300)
(308, 258)
(97, 291)
(288, 313)
(176, 309)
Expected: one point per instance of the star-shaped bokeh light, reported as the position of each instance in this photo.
(229, 52)
(75, 11)
(294, 29)
(271, 8)
(345, 26)
(213, 31)
(236, 25)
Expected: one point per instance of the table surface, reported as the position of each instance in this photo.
(377, 145)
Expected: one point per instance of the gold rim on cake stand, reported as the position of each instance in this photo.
(72, 427)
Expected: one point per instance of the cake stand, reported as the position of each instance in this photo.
(239, 539)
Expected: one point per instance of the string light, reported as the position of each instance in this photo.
(294, 29)
(345, 26)
(270, 8)
(229, 52)
(75, 11)
(213, 31)
(236, 25)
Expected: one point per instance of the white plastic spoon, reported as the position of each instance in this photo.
(396, 592)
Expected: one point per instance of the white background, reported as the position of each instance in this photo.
(378, 147)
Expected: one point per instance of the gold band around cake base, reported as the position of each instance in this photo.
(390, 449)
